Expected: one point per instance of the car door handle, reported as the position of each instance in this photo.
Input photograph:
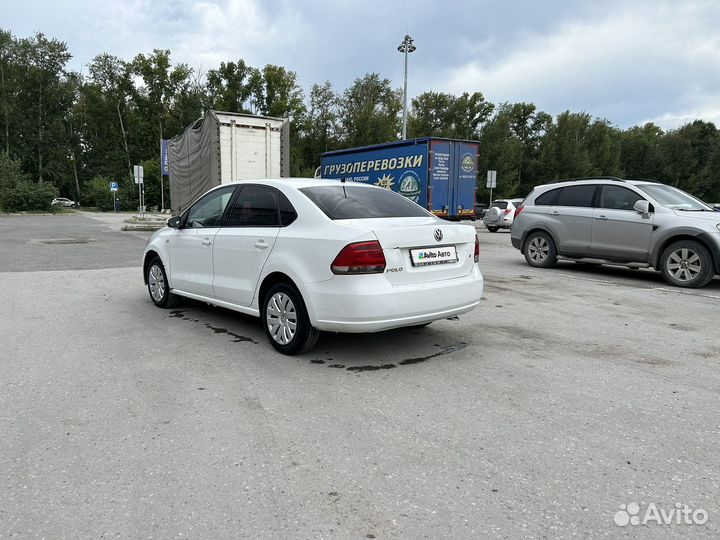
(260, 244)
(601, 218)
(206, 242)
(554, 213)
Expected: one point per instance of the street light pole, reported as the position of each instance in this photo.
(406, 47)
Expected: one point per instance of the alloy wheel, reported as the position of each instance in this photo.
(684, 264)
(538, 249)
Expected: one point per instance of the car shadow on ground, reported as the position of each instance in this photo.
(643, 277)
(401, 347)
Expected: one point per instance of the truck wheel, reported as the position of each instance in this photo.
(540, 250)
(687, 264)
(286, 321)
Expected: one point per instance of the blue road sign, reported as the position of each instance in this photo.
(113, 186)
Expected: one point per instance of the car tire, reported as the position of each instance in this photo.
(540, 250)
(687, 264)
(492, 228)
(157, 284)
(286, 322)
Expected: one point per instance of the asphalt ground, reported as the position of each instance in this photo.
(568, 393)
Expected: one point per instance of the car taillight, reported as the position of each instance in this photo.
(517, 211)
(360, 258)
(477, 249)
(507, 211)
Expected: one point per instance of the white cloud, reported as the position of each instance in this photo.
(238, 29)
(627, 61)
(643, 60)
(676, 119)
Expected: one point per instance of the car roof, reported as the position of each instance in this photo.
(299, 183)
(599, 180)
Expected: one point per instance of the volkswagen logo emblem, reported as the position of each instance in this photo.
(438, 234)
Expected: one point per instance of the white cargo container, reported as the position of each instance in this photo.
(224, 147)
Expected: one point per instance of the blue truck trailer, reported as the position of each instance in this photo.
(438, 174)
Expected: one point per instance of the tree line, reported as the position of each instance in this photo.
(72, 133)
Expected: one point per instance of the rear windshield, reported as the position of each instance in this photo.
(356, 202)
(500, 204)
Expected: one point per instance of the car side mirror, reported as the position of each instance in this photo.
(174, 222)
(642, 206)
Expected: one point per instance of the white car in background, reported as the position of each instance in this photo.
(64, 202)
(501, 214)
(307, 255)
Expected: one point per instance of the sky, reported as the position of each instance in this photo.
(629, 61)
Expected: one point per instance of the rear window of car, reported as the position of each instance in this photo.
(502, 205)
(576, 196)
(356, 202)
(547, 198)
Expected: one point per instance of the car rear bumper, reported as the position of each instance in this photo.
(358, 304)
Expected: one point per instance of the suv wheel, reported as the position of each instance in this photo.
(286, 321)
(540, 250)
(492, 228)
(687, 264)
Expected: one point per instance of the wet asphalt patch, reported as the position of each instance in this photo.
(237, 338)
(444, 349)
(329, 362)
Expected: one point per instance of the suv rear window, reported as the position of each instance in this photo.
(502, 205)
(576, 196)
(547, 198)
(356, 202)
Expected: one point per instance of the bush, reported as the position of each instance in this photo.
(96, 192)
(10, 173)
(27, 196)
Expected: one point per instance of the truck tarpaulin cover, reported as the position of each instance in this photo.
(194, 163)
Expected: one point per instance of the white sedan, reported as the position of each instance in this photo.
(315, 255)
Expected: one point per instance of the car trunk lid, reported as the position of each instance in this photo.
(413, 252)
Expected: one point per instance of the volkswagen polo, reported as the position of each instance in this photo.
(315, 255)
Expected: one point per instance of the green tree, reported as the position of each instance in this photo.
(604, 148)
(640, 151)
(370, 111)
(10, 173)
(230, 87)
(318, 129)
(565, 151)
(41, 100)
(7, 80)
(437, 114)
(161, 83)
(96, 192)
(113, 78)
(279, 94)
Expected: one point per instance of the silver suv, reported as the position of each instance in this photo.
(500, 214)
(608, 220)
